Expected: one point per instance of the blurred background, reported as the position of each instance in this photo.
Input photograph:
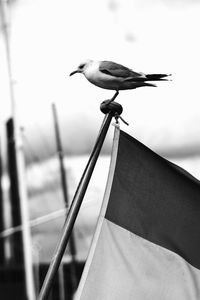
(41, 42)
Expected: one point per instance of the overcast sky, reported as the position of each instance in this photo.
(50, 38)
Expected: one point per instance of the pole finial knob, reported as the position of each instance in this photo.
(111, 107)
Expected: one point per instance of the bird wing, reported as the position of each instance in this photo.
(117, 70)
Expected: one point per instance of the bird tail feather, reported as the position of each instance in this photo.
(149, 84)
(152, 77)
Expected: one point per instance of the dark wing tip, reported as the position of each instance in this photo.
(157, 76)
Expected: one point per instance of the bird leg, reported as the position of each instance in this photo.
(114, 97)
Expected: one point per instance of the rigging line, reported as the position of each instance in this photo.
(40, 220)
(34, 222)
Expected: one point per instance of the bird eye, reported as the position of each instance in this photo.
(81, 66)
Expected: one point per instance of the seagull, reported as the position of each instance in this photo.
(113, 76)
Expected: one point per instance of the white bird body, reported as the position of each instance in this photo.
(95, 76)
(113, 76)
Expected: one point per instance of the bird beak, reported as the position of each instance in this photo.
(74, 72)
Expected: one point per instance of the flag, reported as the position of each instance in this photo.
(147, 241)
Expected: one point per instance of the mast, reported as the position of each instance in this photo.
(72, 244)
(26, 234)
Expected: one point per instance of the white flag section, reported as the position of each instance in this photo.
(147, 241)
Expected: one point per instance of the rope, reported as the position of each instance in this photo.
(34, 223)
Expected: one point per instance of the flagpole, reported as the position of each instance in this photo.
(111, 109)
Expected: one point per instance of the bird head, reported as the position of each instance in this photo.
(81, 68)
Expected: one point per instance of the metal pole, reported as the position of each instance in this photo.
(2, 244)
(60, 155)
(74, 209)
(72, 244)
(17, 238)
(6, 33)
